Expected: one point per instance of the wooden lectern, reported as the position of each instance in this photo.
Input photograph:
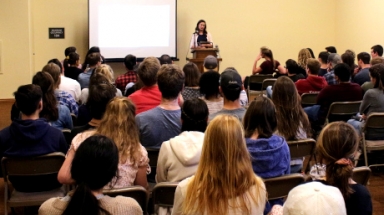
(200, 54)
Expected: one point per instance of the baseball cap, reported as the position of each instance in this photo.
(314, 198)
(230, 79)
(210, 62)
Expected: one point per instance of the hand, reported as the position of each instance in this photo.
(364, 117)
(258, 57)
(356, 70)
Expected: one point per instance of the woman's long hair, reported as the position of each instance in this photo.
(266, 52)
(94, 165)
(197, 26)
(45, 81)
(71, 59)
(377, 72)
(304, 55)
(224, 176)
(336, 145)
(291, 117)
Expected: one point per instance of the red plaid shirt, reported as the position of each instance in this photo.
(122, 81)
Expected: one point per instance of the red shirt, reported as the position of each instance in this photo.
(146, 98)
(122, 81)
(312, 84)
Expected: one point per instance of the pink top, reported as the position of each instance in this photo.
(127, 171)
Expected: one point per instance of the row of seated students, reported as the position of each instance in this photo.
(265, 124)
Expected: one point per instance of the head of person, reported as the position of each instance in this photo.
(94, 165)
(106, 71)
(57, 62)
(165, 59)
(266, 52)
(29, 99)
(333, 60)
(130, 62)
(192, 75)
(336, 146)
(231, 84)
(201, 26)
(363, 58)
(92, 50)
(93, 59)
(69, 50)
(376, 73)
(348, 59)
(148, 70)
(210, 63)
(342, 72)
(313, 66)
(310, 51)
(194, 115)
(170, 80)
(291, 66)
(72, 59)
(314, 198)
(351, 52)
(55, 72)
(209, 84)
(323, 57)
(224, 172)
(302, 58)
(331, 49)
(260, 118)
(376, 60)
(99, 96)
(45, 81)
(376, 51)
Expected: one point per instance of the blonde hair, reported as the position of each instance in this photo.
(304, 55)
(118, 123)
(224, 173)
(107, 71)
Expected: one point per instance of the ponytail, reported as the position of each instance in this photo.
(71, 59)
(338, 174)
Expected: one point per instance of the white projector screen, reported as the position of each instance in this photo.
(139, 27)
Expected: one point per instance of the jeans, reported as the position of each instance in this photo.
(312, 112)
(269, 92)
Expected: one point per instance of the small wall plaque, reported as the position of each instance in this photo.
(56, 33)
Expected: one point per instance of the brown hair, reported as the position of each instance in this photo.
(266, 52)
(45, 81)
(55, 72)
(93, 59)
(170, 80)
(377, 60)
(148, 71)
(313, 65)
(192, 75)
(377, 72)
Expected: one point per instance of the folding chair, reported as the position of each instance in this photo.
(361, 175)
(138, 193)
(374, 121)
(34, 180)
(267, 82)
(302, 148)
(279, 187)
(68, 136)
(308, 99)
(74, 119)
(258, 81)
(342, 110)
(153, 155)
(163, 194)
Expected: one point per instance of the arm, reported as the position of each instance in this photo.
(141, 177)
(366, 102)
(281, 69)
(255, 68)
(64, 175)
(192, 43)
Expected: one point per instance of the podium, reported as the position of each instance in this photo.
(200, 54)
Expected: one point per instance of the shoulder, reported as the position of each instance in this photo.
(360, 191)
(79, 138)
(121, 205)
(54, 206)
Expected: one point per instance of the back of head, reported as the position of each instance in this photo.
(69, 50)
(313, 65)
(194, 115)
(170, 80)
(348, 59)
(378, 49)
(364, 57)
(192, 75)
(351, 52)
(148, 70)
(93, 49)
(165, 59)
(377, 60)
(45, 81)
(28, 98)
(323, 57)
(93, 59)
(314, 198)
(106, 71)
(266, 52)
(377, 72)
(304, 55)
(261, 118)
(231, 84)
(99, 96)
(210, 63)
(130, 61)
(343, 72)
(55, 72)
(209, 84)
(292, 66)
(331, 49)
(336, 145)
(57, 62)
(94, 165)
(334, 59)
(72, 59)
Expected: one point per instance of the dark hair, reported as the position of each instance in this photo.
(331, 49)
(378, 49)
(231, 94)
(170, 80)
(69, 50)
(93, 59)
(313, 65)
(197, 26)
(194, 115)
(192, 75)
(148, 70)
(351, 52)
(260, 117)
(266, 52)
(130, 61)
(364, 56)
(343, 72)
(310, 51)
(71, 59)
(377, 72)
(54, 71)
(94, 165)
(99, 96)
(324, 57)
(45, 81)
(57, 62)
(209, 84)
(292, 66)
(93, 49)
(27, 98)
(165, 59)
(349, 60)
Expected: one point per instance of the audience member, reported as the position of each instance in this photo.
(323, 59)
(230, 86)
(130, 76)
(211, 64)
(311, 52)
(302, 59)
(376, 51)
(209, 88)
(269, 66)
(348, 59)
(87, 63)
(94, 164)
(331, 49)
(192, 77)
(224, 182)
(333, 60)
(165, 59)
(71, 66)
(93, 60)
(336, 146)
(149, 95)
(243, 94)
(68, 51)
(313, 83)
(163, 122)
(294, 70)
(362, 76)
(368, 85)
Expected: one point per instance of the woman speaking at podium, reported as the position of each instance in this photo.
(201, 38)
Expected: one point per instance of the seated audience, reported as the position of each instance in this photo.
(93, 60)
(377, 51)
(209, 88)
(128, 77)
(224, 182)
(333, 60)
(192, 76)
(243, 94)
(165, 59)
(94, 164)
(211, 64)
(163, 122)
(331, 49)
(323, 59)
(149, 95)
(87, 63)
(302, 59)
(68, 51)
(269, 66)
(311, 52)
(368, 85)
(349, 59)
(294, 70)
(362, 76)
(336, 146)
(71, 66)
(313, 83)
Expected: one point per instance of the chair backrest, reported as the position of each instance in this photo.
(268, 82)
(279, 187)
(361, 175)
(301, 148)
(374, 120)
(153, 155)
(308, 99)
(74, 119)
(138, 193)
(68, 136)
(33, 174)
(257, 79)
(163, 194)
(343, 109)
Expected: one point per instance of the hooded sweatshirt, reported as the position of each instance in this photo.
(31, 138)
(179, 157)
(311, 85)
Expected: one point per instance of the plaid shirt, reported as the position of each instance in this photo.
(330, 77)
(66, 99)
(122, 81)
